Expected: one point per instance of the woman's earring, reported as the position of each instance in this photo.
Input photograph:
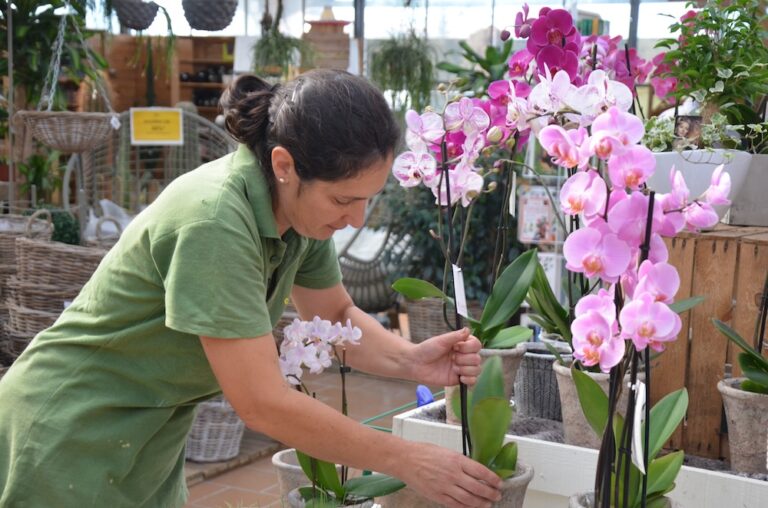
(281, 180)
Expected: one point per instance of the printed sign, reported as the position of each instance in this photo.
(157, 126)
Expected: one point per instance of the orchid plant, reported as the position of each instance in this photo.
(312, 345)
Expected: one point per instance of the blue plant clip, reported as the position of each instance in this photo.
(423, 396)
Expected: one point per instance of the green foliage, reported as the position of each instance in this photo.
(665, 417)
(403, 63)
(547, 311)
(482, 70)
(275, 51)
(40, 171)
(752, 363)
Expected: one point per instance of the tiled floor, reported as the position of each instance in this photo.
(255, 484)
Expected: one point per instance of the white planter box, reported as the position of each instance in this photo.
(750, 207)
(562, 470)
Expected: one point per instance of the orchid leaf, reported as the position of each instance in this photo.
(373, 485)
(490, 383)
(510, 337)
(755, 370)
(505, 463)
(488, 422)
(317, 498)
(553, 350)
(750, 386)
(656, 502)
(683, 305)
(734, 337)
(663, 471)
(594, 401)
(509, 290)
(417, 289)
(665, 416)
(324, 472)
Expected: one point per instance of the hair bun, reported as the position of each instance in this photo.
(245, 103)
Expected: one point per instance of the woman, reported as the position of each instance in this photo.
(97, 409)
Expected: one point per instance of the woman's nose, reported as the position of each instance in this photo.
(356, 218)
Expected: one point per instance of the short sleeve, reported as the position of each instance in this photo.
(319, 268)
(213, 275)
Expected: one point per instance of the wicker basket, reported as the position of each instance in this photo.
(207, 15)
(536, 393)
(40, 297)
(15, 342)
(28, 322)
(216, 432)
(68, 131)
(101, 240)
(56, 263)
(425, 318)
(14, 226)
(135, 14)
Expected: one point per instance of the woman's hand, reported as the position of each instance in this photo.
(450, 478)
(446, 359)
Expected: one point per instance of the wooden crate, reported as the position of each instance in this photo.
(728, 267)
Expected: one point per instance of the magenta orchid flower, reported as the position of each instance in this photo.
(519, 63)
(553, 27)
(464, 115)
(594, 342)
(660, 280)
(719, 188)
(523, 24)
(632, 167)
(558, 59)
(649, 323)
(584, 192)
(423, 130)
(614, 131)
(412, 168)
(593, 253)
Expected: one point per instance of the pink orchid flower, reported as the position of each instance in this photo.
(551, 93)
(465, 185)
(719, 188)
(411, 168)
(660, 280)
(584, 192)
(564, 145)
(631, 168)
(603, 303)
(465, 116)
(649, 323)
(627, 218)
(593, 253)
(600, 94)
(699, 215)
(423, 130)
(614, 131)
(594, 342)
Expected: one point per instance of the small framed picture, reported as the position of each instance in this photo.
(536, 221)
(687, 132)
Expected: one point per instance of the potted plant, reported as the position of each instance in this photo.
(275, 53)
(746, 406)
(483, 69)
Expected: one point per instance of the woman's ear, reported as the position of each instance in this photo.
(283, 165)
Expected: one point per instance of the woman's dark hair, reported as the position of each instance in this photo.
(333, 124)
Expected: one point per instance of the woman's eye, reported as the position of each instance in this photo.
(342, 202)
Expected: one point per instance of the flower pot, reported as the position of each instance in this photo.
(207, 15)
(536, 393)
(748, 207)
(425, 317)
(747, 415)
(587, 500)
(135, 14)
(577, 430)
(289, 474)
(512, 493)
(295, 500)
(216, 433)
(510, 362)
(697, 167)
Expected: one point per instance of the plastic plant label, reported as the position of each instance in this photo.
(513, 195)
(460, 297)
(637, 430)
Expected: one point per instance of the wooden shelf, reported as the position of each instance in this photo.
(206, 61)
(201, 84)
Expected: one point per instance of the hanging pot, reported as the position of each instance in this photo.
(68, 131)
(135, 14)
(207, 15)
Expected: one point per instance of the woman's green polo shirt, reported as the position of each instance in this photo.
(97, 409)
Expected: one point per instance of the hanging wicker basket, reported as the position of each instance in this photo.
(68, 131)
(207, 15)
(216, 432)
(135, 14)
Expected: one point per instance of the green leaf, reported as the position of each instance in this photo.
(509, 290)
(470, 53)
(506, 460)
(755, 370)
(751, 386)
(317, 498)
(488, 422)
(593, 400)
(373, 485)
(416, 289)
(665, 416)
(683, 305)
(734, 337)
(663, 471)
(553, 350)
(490, 383)
(656, 502)
(326, 476)
(452, 68)
(510, 337)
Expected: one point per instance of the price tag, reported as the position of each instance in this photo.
(460, 297)
(637, 430)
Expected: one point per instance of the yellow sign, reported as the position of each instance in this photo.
(157, 126)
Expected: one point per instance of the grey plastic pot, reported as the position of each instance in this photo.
(289, 474)
(587, 500)
(295, 501)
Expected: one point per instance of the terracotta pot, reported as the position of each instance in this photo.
(587, 500)
(577, 430)
(747, 415)
(295, 501)
(512, 493)
(510, 362)
(289, 473)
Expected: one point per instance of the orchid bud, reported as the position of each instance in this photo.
(492, 186)
(511, 142)
(429, 109)
(488, 151)
(505, 35)
(441, 87)
(525, 31)
(494, 134)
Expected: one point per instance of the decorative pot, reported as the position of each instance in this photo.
(425, 317)
(512, 493)
(536, 393)
(510, 362)
(577, 430)
(697, 167)
(289, 474)
(207, 15)
(747, 415)
(295, 500)
(587, 500)
(748, 208)
(135, 14)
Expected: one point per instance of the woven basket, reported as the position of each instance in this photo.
(207, 15)
(39, 296)
(15, 342)
(135, 14)
(216, 432)
(536, 393)
(101, 240)
(425, 317)
(56, 263)
(68, 131)
(14, 226)
(28, 322)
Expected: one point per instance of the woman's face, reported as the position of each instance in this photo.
(317, 209)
